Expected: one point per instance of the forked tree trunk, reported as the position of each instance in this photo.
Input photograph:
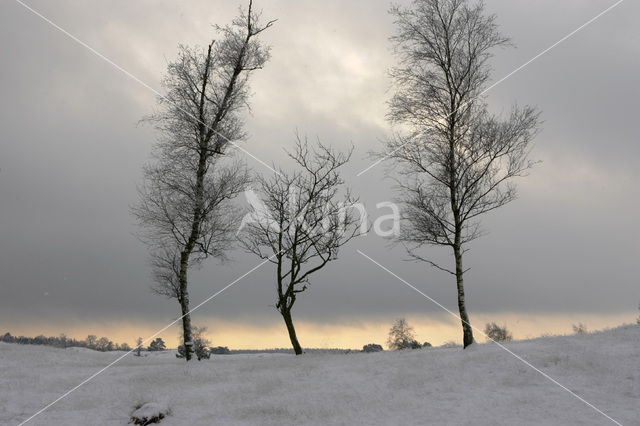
(467, 331)
(186, 254)
(286, 314)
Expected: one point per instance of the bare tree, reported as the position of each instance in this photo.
(401, 336)
(457, 160)
(308, 216)
(184, 207)
(91, 340)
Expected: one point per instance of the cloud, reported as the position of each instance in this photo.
(71, 155)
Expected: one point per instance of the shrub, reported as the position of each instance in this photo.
(580, 328)
(148, 413)
(200, 351)
(414, 344)
(426, 345)
(372, 347)
(497, 333)
(200, 344)
(220, 350)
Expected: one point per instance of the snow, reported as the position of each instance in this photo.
(150, 411)
(485, 386)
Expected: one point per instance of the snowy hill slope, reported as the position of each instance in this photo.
(482, 386)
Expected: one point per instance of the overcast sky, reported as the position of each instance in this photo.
(71, 154)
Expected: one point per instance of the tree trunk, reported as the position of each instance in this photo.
(184, 256)
(183, 296)
(467, 331)
(184, 306)
(286, 314)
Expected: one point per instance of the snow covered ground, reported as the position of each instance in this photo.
(482, 386)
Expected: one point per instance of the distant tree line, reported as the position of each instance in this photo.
(289, 351)
(102, 344)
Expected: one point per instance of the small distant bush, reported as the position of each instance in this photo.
(450, 344)
(181, 353)
(414, 344)
(426, 345)
(580, 328)
(497, 333)
(372, 347)
(220, 350)
(200, 352)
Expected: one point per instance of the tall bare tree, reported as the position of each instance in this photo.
(307, 217)
(457, 160)
(184, 205)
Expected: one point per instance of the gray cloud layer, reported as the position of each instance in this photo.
(71, 154)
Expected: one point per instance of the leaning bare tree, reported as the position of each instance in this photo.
(457, 160)
(184, 207)
(307, 216)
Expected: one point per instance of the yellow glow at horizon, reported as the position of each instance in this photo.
(351, 334)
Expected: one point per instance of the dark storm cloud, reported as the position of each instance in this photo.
(71, 154)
